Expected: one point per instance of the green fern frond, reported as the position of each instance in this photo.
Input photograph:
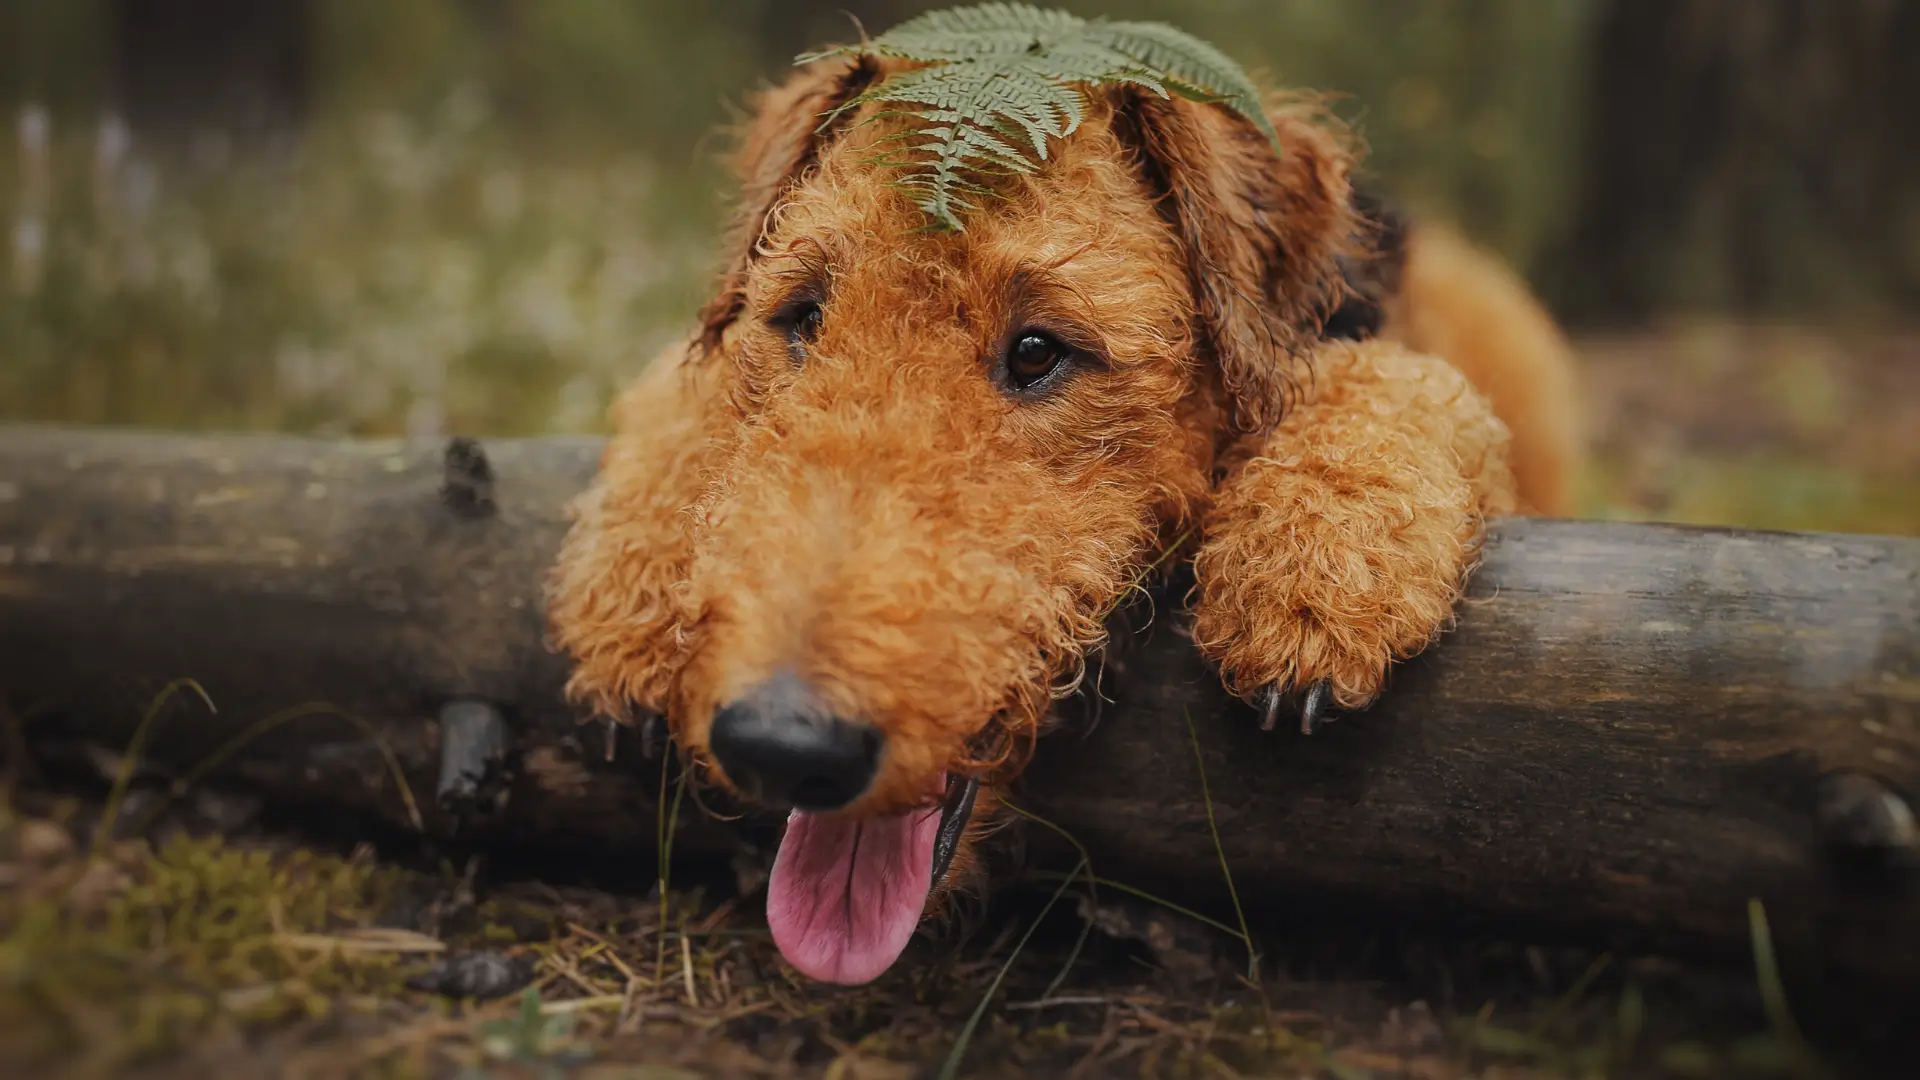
(1003, 79)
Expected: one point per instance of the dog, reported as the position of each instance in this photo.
(857, 535)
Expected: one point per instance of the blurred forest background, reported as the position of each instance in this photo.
(423, 216)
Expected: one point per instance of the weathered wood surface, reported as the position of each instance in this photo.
(1633, 730)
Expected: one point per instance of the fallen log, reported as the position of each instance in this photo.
(1633, 730)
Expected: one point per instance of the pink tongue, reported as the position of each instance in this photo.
(845, 894)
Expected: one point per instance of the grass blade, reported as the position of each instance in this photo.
(951, 1068)
(260, 727)
(132, 758)
(668, 820)
(1766, 970)
(1139, 893)
(1773, 994)
(1093, 891)
(1206, 795)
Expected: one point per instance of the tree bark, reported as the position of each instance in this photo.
(1633, 730)
(1745, 157)
(231, 66)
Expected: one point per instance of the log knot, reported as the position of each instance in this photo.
(1868, 828)
(466, 482)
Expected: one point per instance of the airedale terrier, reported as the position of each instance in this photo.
(855, 538)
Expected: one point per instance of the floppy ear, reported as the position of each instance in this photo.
(1264, 230)
(779, 143)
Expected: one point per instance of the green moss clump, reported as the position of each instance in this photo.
(130, 954)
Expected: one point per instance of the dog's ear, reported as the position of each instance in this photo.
(1264, 231)
(780, 141)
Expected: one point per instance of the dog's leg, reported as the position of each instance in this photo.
(610, 602)
(1341, 540)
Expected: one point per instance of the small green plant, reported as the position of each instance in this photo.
(1001, 79)
(532, 1036)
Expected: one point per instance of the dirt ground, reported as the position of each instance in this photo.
(203, 936)
(1781, 427)
(263, 956)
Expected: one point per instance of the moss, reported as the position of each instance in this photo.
(151, 948)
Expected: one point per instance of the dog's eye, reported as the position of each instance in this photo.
(801, 322)
(1032, 357)
(806, 325)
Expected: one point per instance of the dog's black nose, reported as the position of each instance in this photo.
(781, 745)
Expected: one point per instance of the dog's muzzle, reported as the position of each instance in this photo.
(782, 747)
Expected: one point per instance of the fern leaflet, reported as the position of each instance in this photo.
(1003, 79)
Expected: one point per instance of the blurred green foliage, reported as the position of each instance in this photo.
(493, 212)
(497, 210)
(397, 273)
(1471, 107)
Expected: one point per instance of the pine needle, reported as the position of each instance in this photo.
(370, 940)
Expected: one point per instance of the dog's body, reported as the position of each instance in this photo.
(855, 538)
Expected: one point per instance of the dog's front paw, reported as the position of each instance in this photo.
(1306, 617)
(1294, 645)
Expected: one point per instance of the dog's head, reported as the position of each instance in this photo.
(949, 455)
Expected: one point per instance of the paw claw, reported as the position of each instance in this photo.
(653, 736)
(1270, 700)
(1314, 707)
(1315, 704)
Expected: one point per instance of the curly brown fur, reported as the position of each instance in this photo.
(937, 554)
(1459, 302)
(1342, 543)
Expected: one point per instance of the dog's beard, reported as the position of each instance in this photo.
(846, 893)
